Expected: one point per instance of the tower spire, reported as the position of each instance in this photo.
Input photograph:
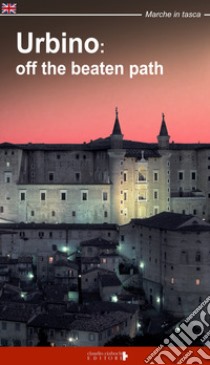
(163, 137)
(116, 128)
(163, 128)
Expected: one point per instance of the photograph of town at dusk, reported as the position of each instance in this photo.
(104, 178)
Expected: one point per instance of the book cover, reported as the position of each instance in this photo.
(104, 155)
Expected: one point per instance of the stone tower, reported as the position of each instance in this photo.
(116, 166)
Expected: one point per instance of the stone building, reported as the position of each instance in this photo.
(172, 251)
(108, 180)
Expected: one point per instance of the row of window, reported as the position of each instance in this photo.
(197, 281)
(54, 213)
(63, 195)
(142, 176)
(193, 175)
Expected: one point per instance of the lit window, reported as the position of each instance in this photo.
(104, 261)
(8, 164)
(197, 282)
(50, 260)
(172, 280)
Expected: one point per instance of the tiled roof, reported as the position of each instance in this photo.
(107, 307)
(172, 222)
(97, 269)
(90, 260)
(109, 280)
(17, 312)
(165, 220)
(99, 323)
(52, 321)
(63, 263)
(99, 242)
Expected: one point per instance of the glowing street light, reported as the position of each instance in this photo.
(114, 298)
(141, 265)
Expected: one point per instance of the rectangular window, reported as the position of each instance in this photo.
(181, 175)
(7, 177)
(22, 196)
(105, 196)
(105, 214)
(142, 195)
(142, 176)
(197, 282)
(84, 195)
(1, 209)
(155, 194)
(125, 195)
(51, 176)
(41, 234)
(77, 176)
(63, 195)
(125, 176)
(73, 214)
(42, 195)
(155, 176)
(32, 213)
(193, 175)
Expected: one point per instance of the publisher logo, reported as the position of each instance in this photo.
(107, 356)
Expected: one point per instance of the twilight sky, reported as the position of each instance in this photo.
(66, 109)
